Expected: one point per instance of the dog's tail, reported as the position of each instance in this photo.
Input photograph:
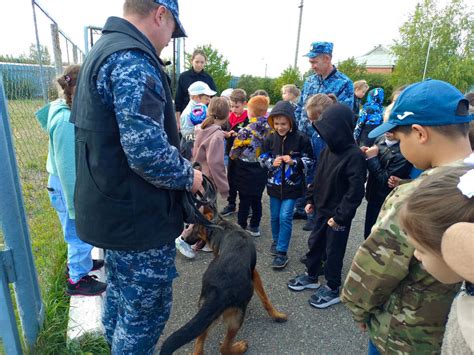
(210, 310)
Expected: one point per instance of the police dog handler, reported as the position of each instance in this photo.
(130, 175)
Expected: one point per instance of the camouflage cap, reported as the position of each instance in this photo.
(173, 7)
(318, 48)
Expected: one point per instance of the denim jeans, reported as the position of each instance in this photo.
(78, 253)
(372, 349)
(281, 217)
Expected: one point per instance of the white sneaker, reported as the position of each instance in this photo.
(184, 248)
(207, 248)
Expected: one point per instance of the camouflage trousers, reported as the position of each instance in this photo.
(138, 298)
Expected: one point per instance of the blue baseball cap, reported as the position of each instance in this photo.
(318, 48)
(173, 7)
(427, 103)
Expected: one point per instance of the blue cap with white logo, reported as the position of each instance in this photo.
(318, 48)
(173, 7)
(427, 103)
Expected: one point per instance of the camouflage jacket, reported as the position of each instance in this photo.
(335, 83)
(388, 289)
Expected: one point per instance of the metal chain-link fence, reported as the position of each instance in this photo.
(24, 95)
(29, 84)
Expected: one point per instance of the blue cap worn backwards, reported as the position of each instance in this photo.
(318, 48)
(427, 103)
(173, 7)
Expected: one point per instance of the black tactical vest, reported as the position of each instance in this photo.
(116, 208)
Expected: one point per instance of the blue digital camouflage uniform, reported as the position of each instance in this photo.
(335, 83)
(371, 113)
(139, 292)
(121, 83)
(138, 299)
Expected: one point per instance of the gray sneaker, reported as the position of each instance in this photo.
(254, 231)
(303, 282)
(325, 297)
(228, 210)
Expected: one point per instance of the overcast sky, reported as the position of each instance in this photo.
(251, 34)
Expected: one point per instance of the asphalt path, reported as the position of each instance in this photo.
(307, 331)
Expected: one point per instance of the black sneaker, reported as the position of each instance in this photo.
(325, 297)
(97, 264)
(87, 286)
(228, 210)
(273, 249)
(303, 282)
(280, 261)
(299, 215)
(309, 226)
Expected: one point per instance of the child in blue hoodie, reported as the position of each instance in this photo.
(54, 118)
(370, 117)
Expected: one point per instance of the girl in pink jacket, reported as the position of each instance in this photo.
(208, 151)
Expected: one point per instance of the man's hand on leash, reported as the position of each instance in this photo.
(309, 208)
(197, 181)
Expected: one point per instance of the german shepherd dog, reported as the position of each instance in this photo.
(227, 287)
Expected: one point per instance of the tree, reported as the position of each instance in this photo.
(216, 66)
(252, 83)
(45, 57)
(352, 69)
(451, 56)
(289, 76)
(8, 58)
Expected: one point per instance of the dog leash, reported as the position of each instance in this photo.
(205, 197)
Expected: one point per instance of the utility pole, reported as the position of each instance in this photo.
(299, 33)
(428, 51)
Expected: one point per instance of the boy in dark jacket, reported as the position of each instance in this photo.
(249, 176)
(286, 154)
(238, 119)
(336, 194)
(384, 160)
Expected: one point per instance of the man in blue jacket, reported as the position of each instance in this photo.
(325, 80)
(130, 175)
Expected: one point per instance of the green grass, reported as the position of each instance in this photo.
(48, 246)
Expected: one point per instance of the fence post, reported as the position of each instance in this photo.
(40, 60)
(74, 54)
(8, 327)
(16, 233)
(58, 61)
